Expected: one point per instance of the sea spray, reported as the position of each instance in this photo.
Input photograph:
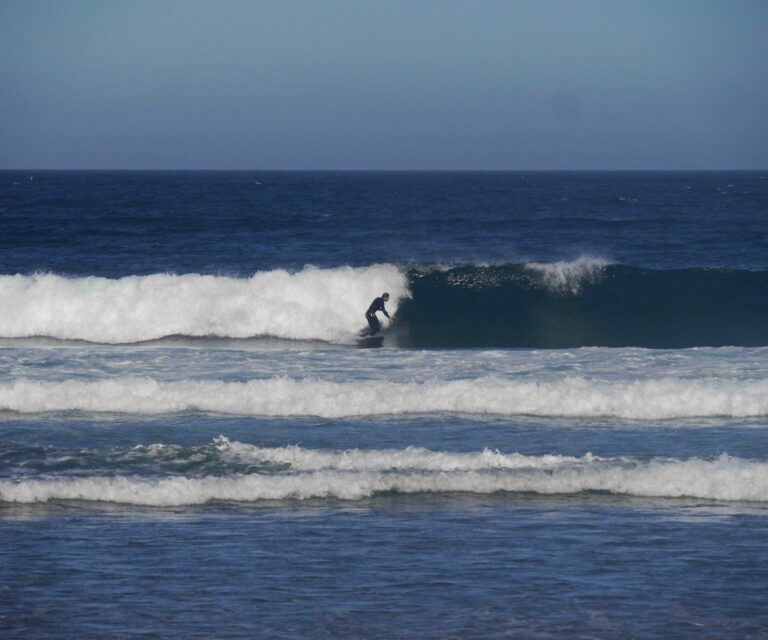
(569, 277)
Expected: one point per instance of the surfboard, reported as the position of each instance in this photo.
(370, 341)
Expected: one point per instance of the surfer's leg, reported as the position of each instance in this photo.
(374, 323)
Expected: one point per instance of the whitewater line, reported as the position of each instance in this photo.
(726, 478)
(569, 396)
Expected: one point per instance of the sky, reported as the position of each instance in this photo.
(384, 85)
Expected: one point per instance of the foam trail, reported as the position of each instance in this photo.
(568, 276)
(312, 304)
(664, 398)
(725, 478)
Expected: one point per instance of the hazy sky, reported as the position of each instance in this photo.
(384, 84)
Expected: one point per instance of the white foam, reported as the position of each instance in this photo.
(410, 458)
(568, 276)
(331, 476)
(569, 396)
(312, 304)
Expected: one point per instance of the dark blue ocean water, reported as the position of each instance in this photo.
(563, 434)
(127, 223)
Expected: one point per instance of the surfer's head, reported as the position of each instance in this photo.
(385, 296)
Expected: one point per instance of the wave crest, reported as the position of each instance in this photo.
(568, 277)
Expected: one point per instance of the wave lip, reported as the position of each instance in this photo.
(312, 304)
(354, 475)
(569, 276)
(569, 396)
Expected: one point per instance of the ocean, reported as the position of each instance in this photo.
(563, 433)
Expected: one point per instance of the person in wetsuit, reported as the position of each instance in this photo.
(370, 315)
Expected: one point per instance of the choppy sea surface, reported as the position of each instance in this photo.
(564, 433)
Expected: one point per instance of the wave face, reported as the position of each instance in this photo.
(586, 302)
(570, 396)
(246, 473)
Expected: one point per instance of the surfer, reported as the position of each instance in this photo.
(370, 315)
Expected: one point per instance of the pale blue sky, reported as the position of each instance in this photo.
(329, 84)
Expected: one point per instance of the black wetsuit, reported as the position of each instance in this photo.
(370, 315)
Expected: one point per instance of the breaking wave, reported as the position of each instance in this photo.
(296, 473)
(569, 396)
(312, 304)
(586, 302)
